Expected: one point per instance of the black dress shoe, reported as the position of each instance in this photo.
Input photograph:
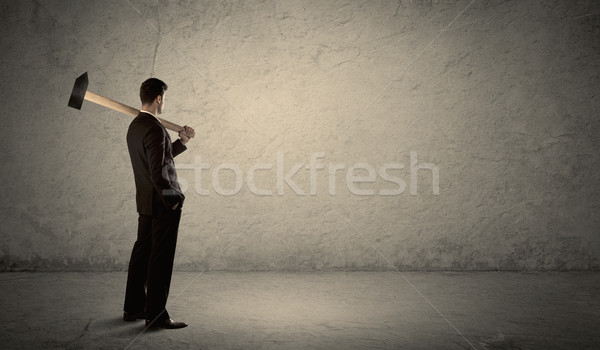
(133, 316)
(167, 323)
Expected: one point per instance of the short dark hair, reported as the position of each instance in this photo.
(151, 88)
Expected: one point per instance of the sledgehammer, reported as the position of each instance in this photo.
(80, 93)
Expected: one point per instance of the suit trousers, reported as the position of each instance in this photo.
(151, 264)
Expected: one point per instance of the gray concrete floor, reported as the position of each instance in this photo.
(325, 310)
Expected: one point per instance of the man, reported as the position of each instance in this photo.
(159, 200)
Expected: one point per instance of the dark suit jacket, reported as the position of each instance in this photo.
(151, 153)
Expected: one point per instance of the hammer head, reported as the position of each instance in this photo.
(79, 90)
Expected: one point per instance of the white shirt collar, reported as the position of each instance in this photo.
(143, 111)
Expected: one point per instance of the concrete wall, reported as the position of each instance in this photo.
(498, 99)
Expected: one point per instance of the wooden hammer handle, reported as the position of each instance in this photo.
(123, 108)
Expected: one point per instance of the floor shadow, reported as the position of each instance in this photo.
(116, 326)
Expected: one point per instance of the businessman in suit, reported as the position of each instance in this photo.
(159, 200)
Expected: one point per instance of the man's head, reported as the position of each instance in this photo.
(153, 91)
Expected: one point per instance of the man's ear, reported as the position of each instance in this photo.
(158, 99)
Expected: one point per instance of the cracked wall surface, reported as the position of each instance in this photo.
(496, 100)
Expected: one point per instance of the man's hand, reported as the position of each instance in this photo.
(175, 206)
(186, 134)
